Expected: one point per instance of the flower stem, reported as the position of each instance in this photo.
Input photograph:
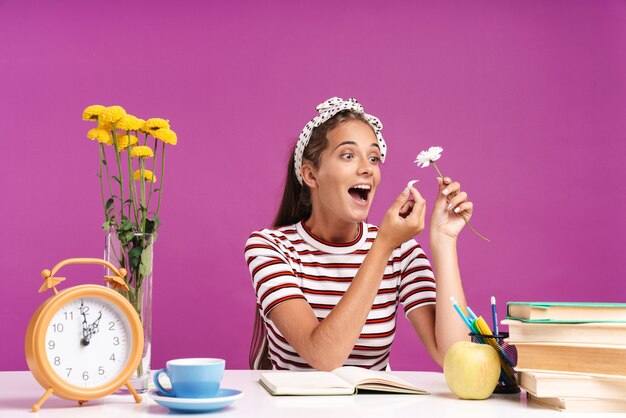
(142, 185)
(106, 167)
(461, 213)
(102, 185)
(119, 169)
(133, 191)
(153, 170)
(161, 180)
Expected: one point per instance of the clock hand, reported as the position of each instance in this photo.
(86, 333)
(93, 328)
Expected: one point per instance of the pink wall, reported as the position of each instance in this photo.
(526, 97)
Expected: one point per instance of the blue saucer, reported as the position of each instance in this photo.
(222, 399)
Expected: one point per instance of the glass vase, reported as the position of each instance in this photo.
(135, 252)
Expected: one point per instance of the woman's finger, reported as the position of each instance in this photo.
(457, 200)
(466, 208)
(406, 209)
(417, 212)
(451, 189)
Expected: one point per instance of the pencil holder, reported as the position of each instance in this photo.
(507, 383)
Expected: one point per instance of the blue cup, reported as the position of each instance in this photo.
(192, 377)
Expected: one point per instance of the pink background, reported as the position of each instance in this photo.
(527, 98)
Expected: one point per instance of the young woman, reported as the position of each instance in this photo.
(327, 283)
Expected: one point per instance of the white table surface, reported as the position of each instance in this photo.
(19, 390)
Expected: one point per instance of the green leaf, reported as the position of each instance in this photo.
(104, 162)
(146, 262)
(117, 179)
(109, 203)
(157, 221)
(135, 257)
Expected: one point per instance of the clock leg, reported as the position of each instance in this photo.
(81, 402)
(42, 400)
(132, 390)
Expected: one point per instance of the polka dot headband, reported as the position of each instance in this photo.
(327, 110)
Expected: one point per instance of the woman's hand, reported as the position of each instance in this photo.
(403, 220)
(451, 207)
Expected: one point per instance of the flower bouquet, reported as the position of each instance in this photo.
(130, 151)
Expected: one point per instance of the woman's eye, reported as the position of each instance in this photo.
(374, 159)
(347, 156)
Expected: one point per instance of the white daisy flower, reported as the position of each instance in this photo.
(426, 157)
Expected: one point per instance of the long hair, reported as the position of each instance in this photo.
(295, 206)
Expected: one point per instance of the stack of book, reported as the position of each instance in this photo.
(570, 356)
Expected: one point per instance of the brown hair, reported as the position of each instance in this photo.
(295, 206)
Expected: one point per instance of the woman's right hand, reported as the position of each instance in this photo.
(403, 220)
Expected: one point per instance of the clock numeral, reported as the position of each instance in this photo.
(69, 370)
(58, 327)
(57, 361)
(100, 370)
(85, 376)
(116, 341)
(112, 358)
(51, 344)
(111, 326)
(69, 315)
(84, 309)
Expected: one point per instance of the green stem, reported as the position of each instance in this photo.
(133, 191)
(119, 169)
(153, 170)
(106, 167)
(461, 213)
(102, 185)
(161, 180)
(142, 185)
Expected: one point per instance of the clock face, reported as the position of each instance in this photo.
(88, 342)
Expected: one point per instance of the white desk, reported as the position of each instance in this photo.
(19, 390)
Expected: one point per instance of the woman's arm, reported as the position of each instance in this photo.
(439, 326)
(327, 344)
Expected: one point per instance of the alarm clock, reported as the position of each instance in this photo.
(86, 341)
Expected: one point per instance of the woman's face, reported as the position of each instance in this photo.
(348, 173)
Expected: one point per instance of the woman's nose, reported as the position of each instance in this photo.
(366, 168)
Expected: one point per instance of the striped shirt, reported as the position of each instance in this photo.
(291, 263)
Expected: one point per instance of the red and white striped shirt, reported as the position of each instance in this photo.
(290, 263)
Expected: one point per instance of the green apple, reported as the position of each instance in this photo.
(471, 370)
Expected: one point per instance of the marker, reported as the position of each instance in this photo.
(494, 315)
(457, 308)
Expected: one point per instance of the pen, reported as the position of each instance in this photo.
(494, 315)
(471, 313)
(457, 308)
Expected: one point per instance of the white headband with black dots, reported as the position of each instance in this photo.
(327, 110)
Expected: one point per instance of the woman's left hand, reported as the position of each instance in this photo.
(450, 208)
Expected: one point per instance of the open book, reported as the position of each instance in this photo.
(345, 380)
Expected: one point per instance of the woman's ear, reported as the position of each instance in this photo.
(309, 175)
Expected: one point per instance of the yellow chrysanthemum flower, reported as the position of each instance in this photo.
(147, 174)
(166, 135)
(123, 141)
(92, 112)
(155, 123)
(105, 125)
(129, 123)
(101, 135)
(111, 114)
(141, 151)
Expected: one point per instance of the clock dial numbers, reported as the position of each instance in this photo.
(88, 342)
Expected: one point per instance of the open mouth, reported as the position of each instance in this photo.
(360, 192)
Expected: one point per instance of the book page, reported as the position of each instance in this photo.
(374, 380)
(303, 383)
